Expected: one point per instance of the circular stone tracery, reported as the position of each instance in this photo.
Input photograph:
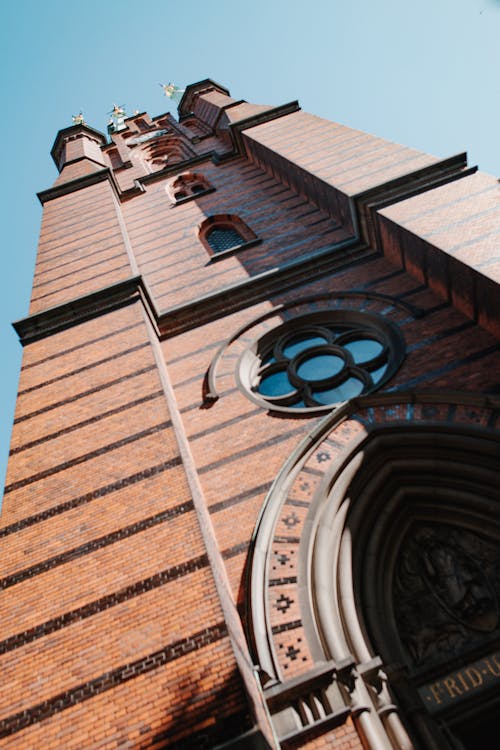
(318, 360)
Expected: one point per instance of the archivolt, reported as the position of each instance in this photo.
(340, 509)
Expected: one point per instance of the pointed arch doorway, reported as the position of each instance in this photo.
(393, 505)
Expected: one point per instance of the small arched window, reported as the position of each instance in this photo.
(223, 238)
(188, 185)
(224, 233)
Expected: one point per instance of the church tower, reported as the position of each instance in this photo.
(252, 495)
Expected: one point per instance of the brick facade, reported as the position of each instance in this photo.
(142, 477)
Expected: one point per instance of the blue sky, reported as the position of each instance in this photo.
(424, 74)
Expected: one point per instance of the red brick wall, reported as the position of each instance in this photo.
(448, 239)
(105, 575)
(328, 162)
(82, 247)
(175, 264)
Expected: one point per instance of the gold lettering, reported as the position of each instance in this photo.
(435, 690)
(494, 659)
(474, 676)
(470, 678)
(451, 687)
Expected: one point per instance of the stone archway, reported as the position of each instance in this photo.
(381, 479)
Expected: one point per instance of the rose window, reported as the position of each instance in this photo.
(319, 360)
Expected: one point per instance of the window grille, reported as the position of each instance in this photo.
(221, 239)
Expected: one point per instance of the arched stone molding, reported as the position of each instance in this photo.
(186, 186)
(327, 543)
(240, 235)
(222, 374)
(162, 148)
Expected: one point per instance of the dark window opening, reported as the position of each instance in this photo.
(223, 238)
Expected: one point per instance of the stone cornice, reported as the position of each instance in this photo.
(364, 205)
(236, 128)
(198, 311)
(58, 318)
(234, 297)
(179, 166)
(224, 109)
(107, 174)
(193, 88)
(81, 182)
(73, 131)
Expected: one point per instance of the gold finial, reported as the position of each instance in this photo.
(172, 91)
(78, 119)
(117, 119)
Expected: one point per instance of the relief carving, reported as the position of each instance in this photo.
(446, 592)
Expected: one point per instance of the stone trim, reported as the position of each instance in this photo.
(71, 132)
(323, 325)
(366, 204)
(197, 312)
(59, 318)
(234, 250)
(211, 392)
(292, 628)
(234, 297)
(234, 628)
(81, 182)
(305, 707)
(236, 128)
(179, 166)
(192, 89)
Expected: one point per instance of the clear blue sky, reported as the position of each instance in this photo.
(425, 74)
